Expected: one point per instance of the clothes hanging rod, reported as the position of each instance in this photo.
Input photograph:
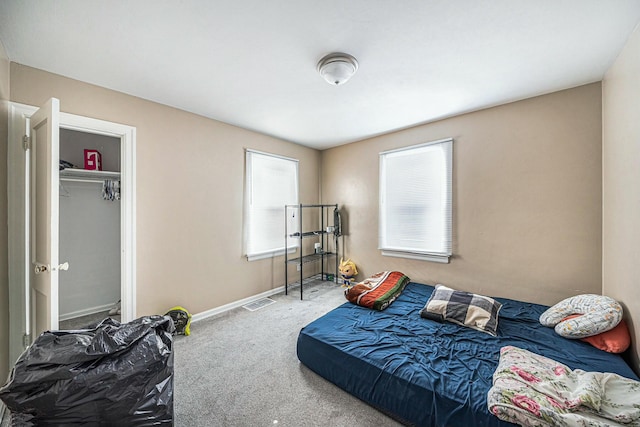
(91, 181)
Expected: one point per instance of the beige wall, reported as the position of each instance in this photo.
(4, 276)
(190, 173)
(621, 185)
(527, 198)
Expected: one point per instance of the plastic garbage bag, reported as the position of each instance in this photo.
(181, 320)
(113, 374)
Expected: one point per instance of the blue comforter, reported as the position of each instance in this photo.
(432, 374)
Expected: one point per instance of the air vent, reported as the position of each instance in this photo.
(258, 304)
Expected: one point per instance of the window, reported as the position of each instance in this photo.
(415, 201)
(271, 182)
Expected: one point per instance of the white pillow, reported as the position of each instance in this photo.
(600, 314)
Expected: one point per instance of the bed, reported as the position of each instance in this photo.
(426, 373)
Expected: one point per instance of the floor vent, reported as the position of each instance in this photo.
(258, 304)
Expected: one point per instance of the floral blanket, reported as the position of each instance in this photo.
(532, 390)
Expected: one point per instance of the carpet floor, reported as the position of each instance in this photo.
(240, 369)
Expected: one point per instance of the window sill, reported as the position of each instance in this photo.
(270, 254)
(442, 259)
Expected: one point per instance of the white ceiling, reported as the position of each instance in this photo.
(252, 63)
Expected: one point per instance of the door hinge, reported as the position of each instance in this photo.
(26, 340)
(26, 142)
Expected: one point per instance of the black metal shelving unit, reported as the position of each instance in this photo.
(327, 215)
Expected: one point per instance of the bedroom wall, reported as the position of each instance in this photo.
(527, 198)
(621, 186)
(4, 277)
(190, 173)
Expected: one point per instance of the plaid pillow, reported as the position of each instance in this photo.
(464, 308)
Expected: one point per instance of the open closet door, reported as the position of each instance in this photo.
(43, 214)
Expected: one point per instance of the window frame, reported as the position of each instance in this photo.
(447, 208)
(291, 245)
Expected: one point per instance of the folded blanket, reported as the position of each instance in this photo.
(378, 291)
(532, 390)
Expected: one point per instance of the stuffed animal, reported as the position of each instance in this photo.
(348, 271)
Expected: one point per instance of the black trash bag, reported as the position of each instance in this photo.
(113, 374)
(181, 320)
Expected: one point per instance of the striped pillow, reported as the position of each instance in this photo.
(378, 291)
(464, 308)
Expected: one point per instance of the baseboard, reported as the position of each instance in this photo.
(86, 311)
(206, 314)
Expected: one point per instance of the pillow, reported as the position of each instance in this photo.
(616, 340)
(378, 291)
(464, 308)
(601, 313)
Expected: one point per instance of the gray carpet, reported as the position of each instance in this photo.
(241, 369)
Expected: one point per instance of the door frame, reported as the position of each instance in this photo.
(18, 188)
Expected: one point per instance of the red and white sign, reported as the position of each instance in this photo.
(92, 160)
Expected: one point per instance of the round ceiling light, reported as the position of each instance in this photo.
(337, 68)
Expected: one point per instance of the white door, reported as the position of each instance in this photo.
(33, 193)
(43, 216)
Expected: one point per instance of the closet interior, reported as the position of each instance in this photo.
(90, 224)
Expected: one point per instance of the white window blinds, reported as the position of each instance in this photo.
(415, 201)
(271, 183)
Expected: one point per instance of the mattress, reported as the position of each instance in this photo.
(426, 373)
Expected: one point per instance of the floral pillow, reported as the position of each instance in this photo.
(600, 314)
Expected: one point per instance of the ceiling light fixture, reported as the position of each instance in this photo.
(336, 68)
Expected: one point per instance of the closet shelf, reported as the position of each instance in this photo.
(84, 174)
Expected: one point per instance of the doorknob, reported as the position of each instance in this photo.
(40, 268)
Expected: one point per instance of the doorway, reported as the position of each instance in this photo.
(89, 228)
(21, 270)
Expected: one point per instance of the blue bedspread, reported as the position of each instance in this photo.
(432, 374)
